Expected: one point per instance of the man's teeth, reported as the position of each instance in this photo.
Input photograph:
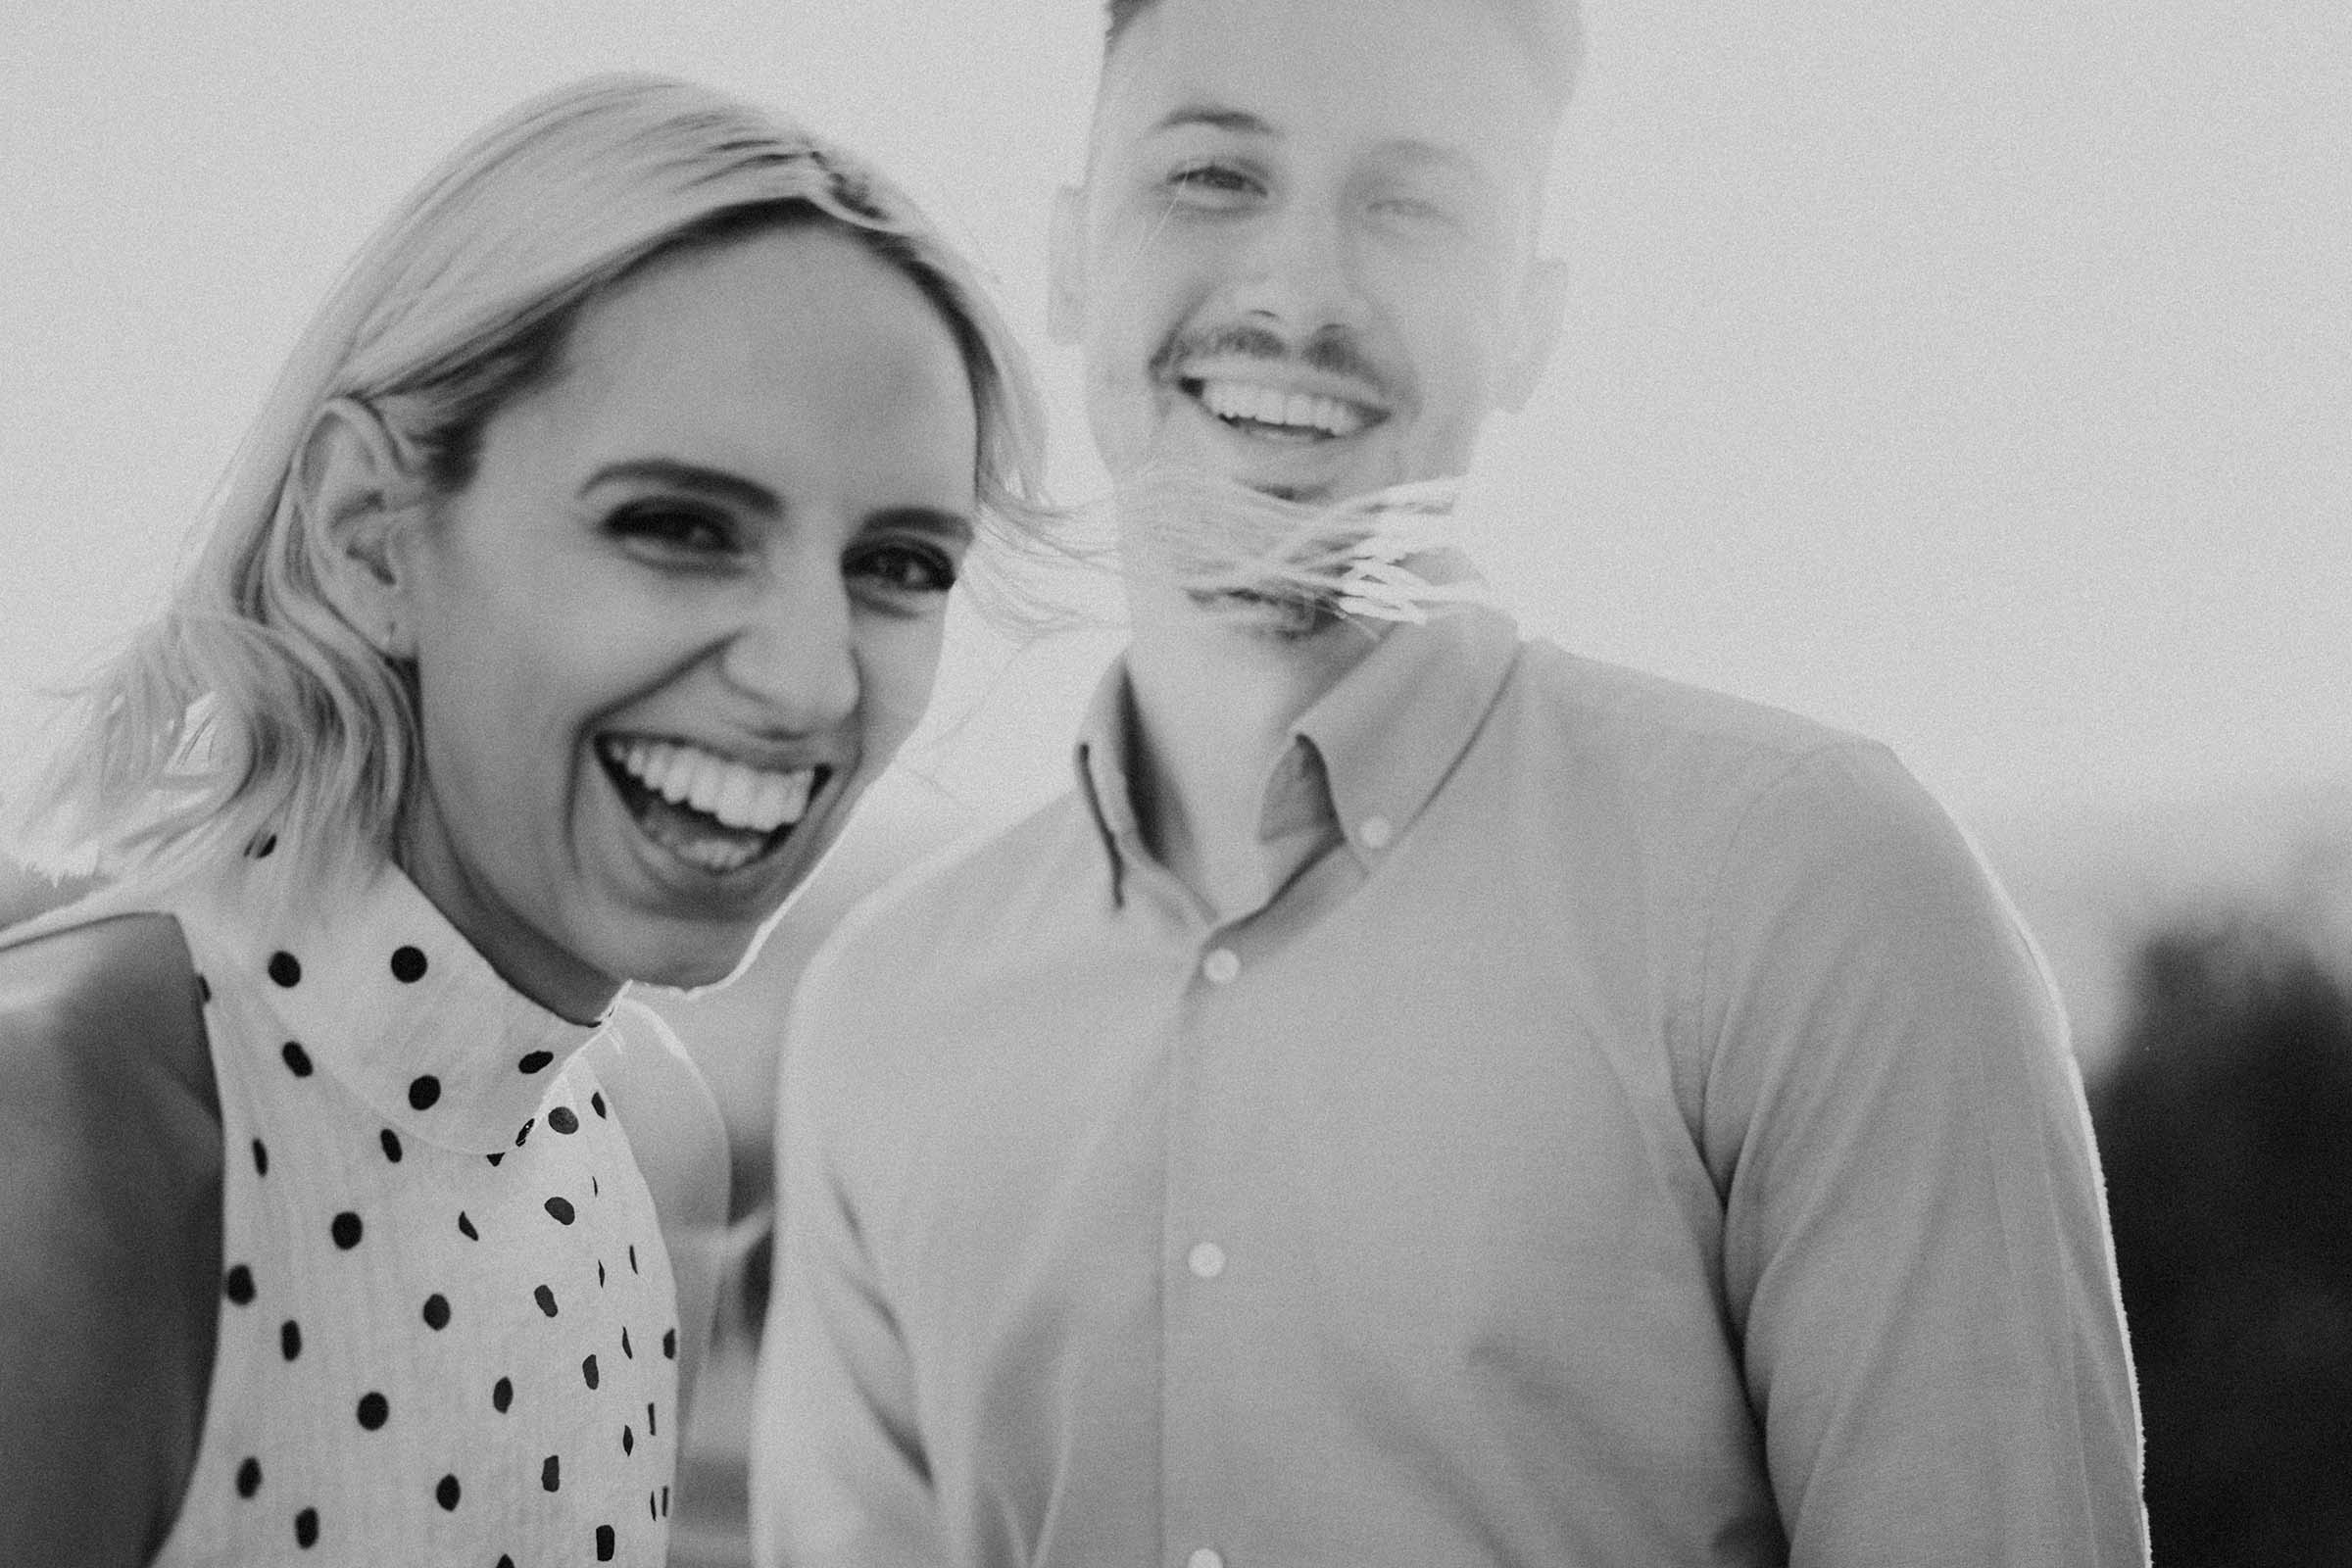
(754, 800)
(1265, 405)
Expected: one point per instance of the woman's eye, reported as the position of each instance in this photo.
(675, 530)
(905, 569)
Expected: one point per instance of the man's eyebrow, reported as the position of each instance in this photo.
(713, 482)
(1238, 121)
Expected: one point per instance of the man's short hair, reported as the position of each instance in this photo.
(1553, 29)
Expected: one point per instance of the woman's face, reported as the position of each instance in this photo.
(688, 606)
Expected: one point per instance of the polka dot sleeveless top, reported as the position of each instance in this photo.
(448, 1332)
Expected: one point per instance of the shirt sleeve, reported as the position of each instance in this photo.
(839, 1478)
(1917, 1261)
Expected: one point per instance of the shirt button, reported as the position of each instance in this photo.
(1208, 1260)
(1203, 1557)
(1375, 832)
(1221, 965)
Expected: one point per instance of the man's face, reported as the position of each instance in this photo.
(1303, 256)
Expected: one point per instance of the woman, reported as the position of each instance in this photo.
(587, 561)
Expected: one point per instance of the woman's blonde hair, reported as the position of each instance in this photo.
(252, 706)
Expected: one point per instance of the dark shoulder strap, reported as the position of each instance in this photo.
(110, 1237)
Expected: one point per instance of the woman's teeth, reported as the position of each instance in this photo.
(739, 796)
(709, 810)
(1295, 411)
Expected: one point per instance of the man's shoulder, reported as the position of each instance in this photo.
(1684, 751)
(1638, 712)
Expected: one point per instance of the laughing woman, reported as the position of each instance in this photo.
(587, 561)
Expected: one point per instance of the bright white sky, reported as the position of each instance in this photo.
(1975, 376)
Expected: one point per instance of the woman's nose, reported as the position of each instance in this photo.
(792, 650)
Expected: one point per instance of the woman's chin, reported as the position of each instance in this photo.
(712, 964)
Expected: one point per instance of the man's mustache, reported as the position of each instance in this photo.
(1333, 350)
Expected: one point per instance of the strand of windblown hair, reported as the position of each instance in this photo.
(1211, 535)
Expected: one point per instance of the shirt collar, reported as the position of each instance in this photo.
(1384, 736)
(383, 993)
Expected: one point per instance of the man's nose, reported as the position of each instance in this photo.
(1300, 271)
(792, 650)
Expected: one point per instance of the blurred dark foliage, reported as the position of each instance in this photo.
(2225, 1124)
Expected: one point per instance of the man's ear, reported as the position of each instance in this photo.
(354, 485)
(1542, 305)
(1066, 268)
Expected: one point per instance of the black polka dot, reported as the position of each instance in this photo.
(391, 1142)
(260, 847)
(562, 1120)
(560, 1208)
(551, 1474)
(344, 1230)
(624, 1342)
(306, 1529)
(628, 1440)
(595, 1101)
(237, 1285)
(408, 965)
(664, 1500)
(495, 1158)
(669, 1344)
(594, 1189)
(653, 1506)
(525, 1131)
(502, 1395)
(423, 1091)
(588, 1371)
(632, 1257)
(204, 989)
(375, 1410)
(536, 1061)
(437, 1311)
(546, 1299)
(249, 1477)
(446, 1493)
(653, 1423)
(289, 1340)
(604, 1543)
(260, 1157)
(465, 1228)
(285, 969)
(599, 1273)
(298, 1060)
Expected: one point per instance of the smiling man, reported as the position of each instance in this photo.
(1421, 1096)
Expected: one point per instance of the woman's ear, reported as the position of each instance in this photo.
(359, 497)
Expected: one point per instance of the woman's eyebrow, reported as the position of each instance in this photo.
(717, 483)
(954, 525)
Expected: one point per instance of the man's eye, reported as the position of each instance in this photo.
(671, 530)
(905, 569)
(1213, 181)
(1415, 212)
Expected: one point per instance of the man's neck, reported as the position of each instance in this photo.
(1215, 698)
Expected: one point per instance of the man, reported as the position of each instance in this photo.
(1421, 1098)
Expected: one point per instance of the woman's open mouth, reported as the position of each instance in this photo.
(710, 811)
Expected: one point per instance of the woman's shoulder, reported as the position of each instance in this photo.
(109, 1160)
(108, 1007)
